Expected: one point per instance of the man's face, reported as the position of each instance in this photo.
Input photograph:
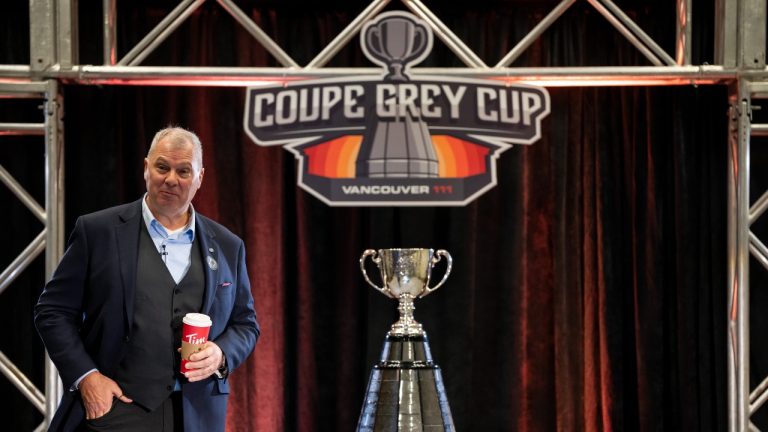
(173, 177)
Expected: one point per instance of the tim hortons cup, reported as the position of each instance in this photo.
(406, 274)
(194, 335)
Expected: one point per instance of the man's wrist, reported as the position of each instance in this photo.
(76, 385)
(222, 371)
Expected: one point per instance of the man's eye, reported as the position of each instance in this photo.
(184, 173)
(162, 168)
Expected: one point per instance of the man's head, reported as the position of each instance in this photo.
(173, 171)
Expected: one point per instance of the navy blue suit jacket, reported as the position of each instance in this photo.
(85, 312)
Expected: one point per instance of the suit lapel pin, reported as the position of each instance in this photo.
(210, 250)
(211, 263)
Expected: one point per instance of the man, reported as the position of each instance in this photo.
(110, 317)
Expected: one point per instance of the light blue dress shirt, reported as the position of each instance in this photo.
(175, 247)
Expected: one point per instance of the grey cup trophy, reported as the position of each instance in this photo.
(406, 274)
(406, 392)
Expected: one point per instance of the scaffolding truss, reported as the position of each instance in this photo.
(740, 45)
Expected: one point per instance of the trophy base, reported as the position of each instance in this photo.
(405, 391)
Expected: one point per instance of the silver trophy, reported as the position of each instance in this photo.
(406, 274)
(405, 391)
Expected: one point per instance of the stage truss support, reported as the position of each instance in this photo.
(740, 33)
(51, 238)
(743, 44)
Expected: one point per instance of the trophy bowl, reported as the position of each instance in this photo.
(406, 273)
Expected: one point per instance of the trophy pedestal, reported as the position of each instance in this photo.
(405, 391)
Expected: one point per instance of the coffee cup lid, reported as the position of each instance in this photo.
(197, 319)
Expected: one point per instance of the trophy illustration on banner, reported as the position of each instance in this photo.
(395, 40)
(399, 146)
(405, 391)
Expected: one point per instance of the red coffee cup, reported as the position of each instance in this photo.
(194, 335)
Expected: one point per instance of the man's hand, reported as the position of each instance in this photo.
(204, 362)
(98, 392)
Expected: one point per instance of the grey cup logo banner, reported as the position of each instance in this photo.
(402, 139)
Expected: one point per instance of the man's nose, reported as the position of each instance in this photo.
(171, 178)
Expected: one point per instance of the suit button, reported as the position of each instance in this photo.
(177, 310)
(177, 291)
(169, 388)
(127, 338)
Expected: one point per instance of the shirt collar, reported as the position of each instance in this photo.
(156, 228)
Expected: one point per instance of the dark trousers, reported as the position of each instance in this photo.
(132, 417)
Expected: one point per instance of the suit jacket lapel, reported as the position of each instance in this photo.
(127, 234)
(209, 250)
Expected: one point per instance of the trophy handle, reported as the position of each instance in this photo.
(374, 49)
(436, 259)
(377, 261)
(421, 33)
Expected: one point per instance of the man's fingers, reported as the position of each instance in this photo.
(200, 370)
(204, 363)
(99, 394)
(206, 352)
(125, 399)
(94, 411)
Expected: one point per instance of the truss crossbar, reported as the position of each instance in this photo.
(243, 77)
(761, 389)
(158, 34)
(22, 194)
(28, 90)
(758, 250)
(758, 402)
(22, 129)
(14, 269)
(462, 51)
(626, 32)
(758, 208)
(21, 382)
(759, 130)
(258, 33)
(347, 34)
(637, 31)
(535, 33)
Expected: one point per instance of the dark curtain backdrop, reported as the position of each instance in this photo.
(588, 290)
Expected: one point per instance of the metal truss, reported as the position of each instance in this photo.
(740, 34)
(54, 55)
(51, 238)
(743, 243)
